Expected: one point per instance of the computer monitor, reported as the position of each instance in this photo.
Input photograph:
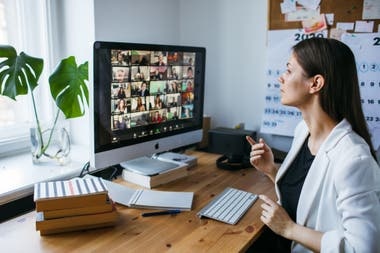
(147, 99)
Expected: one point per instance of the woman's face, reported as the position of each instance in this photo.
(189, 73)
(120, 75)
(294, 84)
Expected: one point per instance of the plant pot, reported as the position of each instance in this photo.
(50, 145)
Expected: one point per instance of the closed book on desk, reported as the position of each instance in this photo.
(72, 193)
(77, 228)
(155, 180)
(67, 212)
(72, 223)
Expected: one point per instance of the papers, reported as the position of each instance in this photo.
(364, 26)
(301, 13)
(371, 9)
(310, 4)
(314, 24)
(288, 6)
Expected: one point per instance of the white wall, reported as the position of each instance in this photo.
(234, 34)
(74, 35)
(142, 21)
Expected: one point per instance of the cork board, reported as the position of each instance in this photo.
(344, 11)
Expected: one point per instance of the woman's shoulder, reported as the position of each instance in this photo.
(347, 142)
(352, 159)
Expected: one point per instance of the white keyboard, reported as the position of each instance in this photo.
(229, 206)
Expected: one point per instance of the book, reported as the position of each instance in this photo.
(155, 180)
(73, 223)
(74, 193)
(67, 212)
(77, 228)
(144, 198)
(177, 158)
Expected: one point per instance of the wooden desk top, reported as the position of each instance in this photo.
(183, 232)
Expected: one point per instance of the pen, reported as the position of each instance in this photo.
(160, 213)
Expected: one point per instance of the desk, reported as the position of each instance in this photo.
(183, 232)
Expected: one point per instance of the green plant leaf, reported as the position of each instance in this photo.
(18, 73)
(68, 87)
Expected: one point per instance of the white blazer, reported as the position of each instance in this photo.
(341, 193)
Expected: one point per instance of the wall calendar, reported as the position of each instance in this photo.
(281, 120)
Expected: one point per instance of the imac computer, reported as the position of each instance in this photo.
(147, 99)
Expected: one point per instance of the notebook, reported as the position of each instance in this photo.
(144, 198)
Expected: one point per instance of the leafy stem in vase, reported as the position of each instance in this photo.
(19, 75)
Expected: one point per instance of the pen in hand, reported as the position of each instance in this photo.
(160, 213)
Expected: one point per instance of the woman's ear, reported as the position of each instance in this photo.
(318, 81)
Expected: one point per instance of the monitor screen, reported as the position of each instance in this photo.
(146, 99)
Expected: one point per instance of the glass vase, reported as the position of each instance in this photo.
(50, 145)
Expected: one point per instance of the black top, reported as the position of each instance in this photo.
(291, 183)
(290, 186)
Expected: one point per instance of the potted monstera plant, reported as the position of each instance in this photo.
(19, 75)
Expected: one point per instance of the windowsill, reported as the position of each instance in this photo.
(18, 174)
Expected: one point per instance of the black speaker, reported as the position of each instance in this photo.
(233, 145)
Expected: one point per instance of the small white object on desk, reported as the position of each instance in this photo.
(177, 157)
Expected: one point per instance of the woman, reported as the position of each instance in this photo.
(121, 107)
(157, 102)
(140, 106)
(144, 91)
(121, 92)
(329, 184)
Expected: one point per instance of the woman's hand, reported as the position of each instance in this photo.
(261, 157)
(276, 218)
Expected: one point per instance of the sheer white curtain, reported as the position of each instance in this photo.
(26, 25)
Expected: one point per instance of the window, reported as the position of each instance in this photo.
(25, 25)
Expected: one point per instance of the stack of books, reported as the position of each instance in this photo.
(76, 204)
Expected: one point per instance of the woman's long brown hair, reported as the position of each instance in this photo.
(340, 97)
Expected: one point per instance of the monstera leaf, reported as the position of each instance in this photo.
(18, 73)
(68, 87)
